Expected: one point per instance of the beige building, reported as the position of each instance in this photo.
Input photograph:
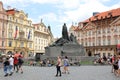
(42, 38)
(99, 34)
(3, 29)
(20, 33)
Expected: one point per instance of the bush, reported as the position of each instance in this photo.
(86, 62)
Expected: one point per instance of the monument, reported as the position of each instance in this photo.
(65, 46)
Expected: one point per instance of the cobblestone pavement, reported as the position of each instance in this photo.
(76, 73)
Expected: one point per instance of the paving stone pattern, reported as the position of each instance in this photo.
(76, 73)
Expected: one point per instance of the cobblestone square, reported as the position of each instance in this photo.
(76, 73)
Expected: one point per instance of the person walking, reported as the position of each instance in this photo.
(119, 65)
(66, 65)
(59, 62)
(20, 63)
(16, 64)
(11, 61)
(6, 66)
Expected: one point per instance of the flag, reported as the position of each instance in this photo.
(16, 32)
(29, 35)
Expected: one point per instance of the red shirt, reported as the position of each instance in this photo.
(15, 60)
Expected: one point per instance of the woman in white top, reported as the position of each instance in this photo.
(58, 65)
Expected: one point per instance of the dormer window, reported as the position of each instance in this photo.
(110, 14)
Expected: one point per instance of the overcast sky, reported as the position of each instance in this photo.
(57, 12)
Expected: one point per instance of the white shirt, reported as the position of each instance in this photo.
(119, 63)
(11, 60)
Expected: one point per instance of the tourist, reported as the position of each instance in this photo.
(118, 65)
(16, 64)
(6, 66)
(66, 65)
(58, 65)
(20, 63)
(115, 66)
(11, 61)
(112, 61)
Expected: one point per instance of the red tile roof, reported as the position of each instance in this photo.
(11, 11)
(103, 15)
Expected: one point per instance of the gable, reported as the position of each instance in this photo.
(89, 26)
(116, 22)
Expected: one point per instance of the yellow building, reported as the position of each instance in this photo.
(19, 33)
(42, 38)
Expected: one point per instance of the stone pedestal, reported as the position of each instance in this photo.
(68, 49)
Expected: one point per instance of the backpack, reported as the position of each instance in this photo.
(66, 63)
(20, 60)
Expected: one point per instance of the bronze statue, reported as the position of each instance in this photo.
(65, 38)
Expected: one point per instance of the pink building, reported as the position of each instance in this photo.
(3, 29)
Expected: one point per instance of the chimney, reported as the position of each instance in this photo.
(94, 13)
(41, 20)
(8, 7)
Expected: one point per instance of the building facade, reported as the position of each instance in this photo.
(3, 29)
(100, 34)
(20, 33)
(42, 38)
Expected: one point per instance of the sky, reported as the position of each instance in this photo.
(55, 13)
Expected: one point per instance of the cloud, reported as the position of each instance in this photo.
(85, 11)
(30, 1)
(67, 11)
(49, 17)
(71, 4)
(45, 1)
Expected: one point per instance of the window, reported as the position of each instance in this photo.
(99, 42)
(116, 41)
(30, 45)
(93, 44)
(16, 20)
(115, 29)
(22, 44)
(109, 54)
(10, 26)
(99, 32)
(108, 30)
(89, 33)
(10, 35)
(104, 31)
(103, 41)
(36, 40)
(104, 54)
(109, 41)
(3, 25)
(2, 43)
(10, 44)
(86, 44)
(2, 33)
